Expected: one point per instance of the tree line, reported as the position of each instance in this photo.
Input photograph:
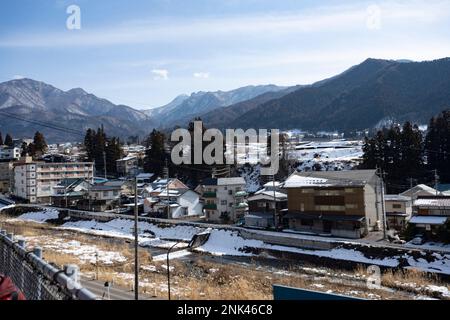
(102, 150)
(35, 149)
(407, 156)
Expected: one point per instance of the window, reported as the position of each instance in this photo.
(223, 202)
(105, 193)
(261, 204)
(349, 190)
(397, 206)
(351, 206)
(230, 192)
(307, 190)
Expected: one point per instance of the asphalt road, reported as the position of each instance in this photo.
(115, 292)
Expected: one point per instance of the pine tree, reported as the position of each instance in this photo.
(1, 139)
(113, 152)
(8, 140)
(39, 144)
(155, 156)
(437, 146)
(24, 148)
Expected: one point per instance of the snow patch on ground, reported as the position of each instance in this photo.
(84, 252)
(39, 216)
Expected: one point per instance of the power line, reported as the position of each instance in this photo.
(44, 124)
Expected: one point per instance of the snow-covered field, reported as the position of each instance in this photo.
(84, 252)
(229, 242)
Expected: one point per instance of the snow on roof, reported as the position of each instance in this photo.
(329, 178)
(396, 197)
(428, 220)
(271, 184)
(296, 181)
(433, 202)
(228, 181)
(127, 158)
(145, 175)
(419, 188)
(268, 195)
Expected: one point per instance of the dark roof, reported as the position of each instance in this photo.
(209, 182)
(104, 188)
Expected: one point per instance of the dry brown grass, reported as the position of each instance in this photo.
(203, 279)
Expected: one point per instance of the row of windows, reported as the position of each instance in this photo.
(328, 192)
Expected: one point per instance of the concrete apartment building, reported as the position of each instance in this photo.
(338, 203)
(127, 166)
(224, 199)
(9, 153)
(34, 181)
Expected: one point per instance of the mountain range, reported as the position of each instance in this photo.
(365, 96)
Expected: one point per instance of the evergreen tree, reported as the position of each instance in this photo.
(8, 140)
(1, 139)
(437, 146)
(24, 148)
(155, 155)
(39, 144)
(113, 152)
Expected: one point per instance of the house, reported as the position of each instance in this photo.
(398, 210)
(183, 203)
(338, 203)
(261, 206)
(101, 198)
(128, 166)
(9, 153)
(224, 199)
(68, 192)
(6, 169)
(34, 181)
(420, 190)
(430, 213)
(126, 186)
(157, 186)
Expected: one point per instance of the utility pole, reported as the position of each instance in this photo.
(410, 183)
(167, 190)
(383, 208)
(436, 181)
(104, 162)
(275, 218)
(136, 243)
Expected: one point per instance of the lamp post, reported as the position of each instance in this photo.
(196, 241)
(136, 244)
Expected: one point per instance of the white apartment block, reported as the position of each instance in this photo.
(224, 199)
(9, 153)
(34, 181)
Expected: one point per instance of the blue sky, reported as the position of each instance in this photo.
(143, 53)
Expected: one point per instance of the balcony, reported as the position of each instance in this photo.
(209, 194)
(210, 206)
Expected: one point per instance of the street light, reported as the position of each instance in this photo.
(196, 241)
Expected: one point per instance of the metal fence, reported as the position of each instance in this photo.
(37, 279)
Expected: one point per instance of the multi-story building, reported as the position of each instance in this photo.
(265, 204)
(6, 167)
(9, 153)
(398, 210)
(340, 203)
(224, 199)
(127, 166)
(430, 214)
(34, 181)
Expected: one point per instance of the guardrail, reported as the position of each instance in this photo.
(36, 278)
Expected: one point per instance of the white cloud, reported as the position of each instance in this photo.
(201, 75)
(332, 18)
(160, 74)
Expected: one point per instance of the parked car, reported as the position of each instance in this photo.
(418, 240)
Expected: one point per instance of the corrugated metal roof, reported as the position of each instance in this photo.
(432, 202)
